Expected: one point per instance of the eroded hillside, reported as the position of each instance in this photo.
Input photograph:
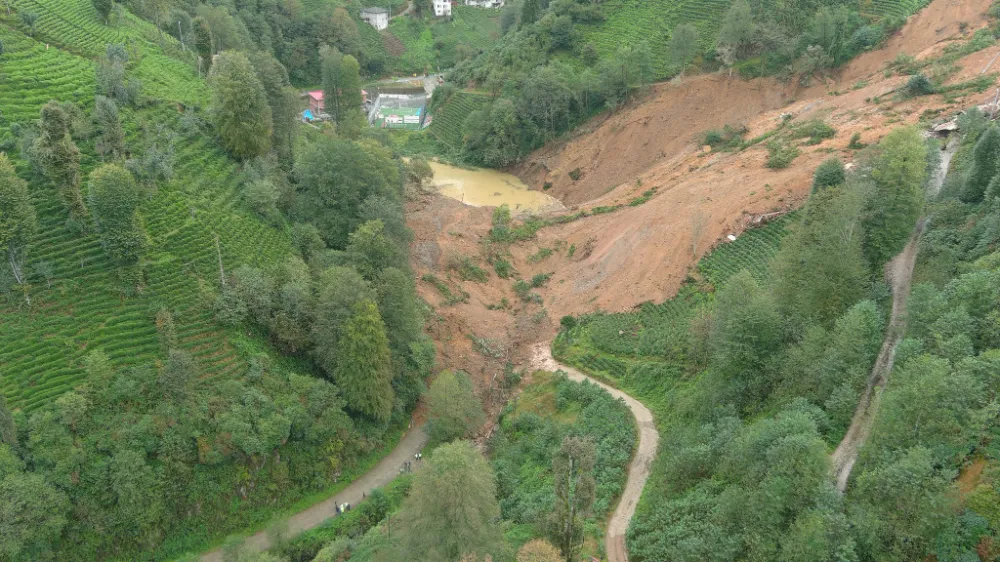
(677, 198)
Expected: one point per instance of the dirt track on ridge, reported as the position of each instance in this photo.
(642, 461)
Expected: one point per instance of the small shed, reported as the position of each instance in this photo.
(315, 101)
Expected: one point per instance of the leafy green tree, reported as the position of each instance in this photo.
(492, 135)
(530, 10)
(370, 250)
(18, 222)
(683, 46)
(829, 174)
(364, 368)
(203, 43)
(334, 178)
(545, 101)
(452, 507)
(33, 513)
(112, 76)
(573, 477)
(112, 140)
(59, 158)
(746, 335)
(103, 8)
(985, 166)
(282, 100)
(331, 61)
(8, 430)
(114, 199)
(239, 106)
(400, 310)
(897, 199)
(809, 287)
(454, 410)
(737, 29)
(906, 503)
(340, 289)
(819, 535)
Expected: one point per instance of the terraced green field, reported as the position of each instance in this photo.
(31, 75)
(42, 347)
(654, 336)
(633, 22)
(76, 308)
(447, 121)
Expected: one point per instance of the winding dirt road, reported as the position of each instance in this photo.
(638, 472)
(384, 472)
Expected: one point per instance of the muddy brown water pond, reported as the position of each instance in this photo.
(480, 187)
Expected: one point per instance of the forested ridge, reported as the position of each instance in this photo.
(207, 315)
(754, 381)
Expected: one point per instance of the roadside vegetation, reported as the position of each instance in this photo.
(754, 376)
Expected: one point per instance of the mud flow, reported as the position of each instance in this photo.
(490, 188)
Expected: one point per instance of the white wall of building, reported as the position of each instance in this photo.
(379, 21)
(442, 8)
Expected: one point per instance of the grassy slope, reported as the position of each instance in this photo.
(476, 27)
(632, 22)
(41, 348)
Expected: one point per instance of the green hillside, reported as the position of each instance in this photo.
(77, 309)
(439, 44)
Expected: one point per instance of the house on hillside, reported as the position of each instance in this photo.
(442, 8)
(495, 4)
(315, 101)
(376, 17)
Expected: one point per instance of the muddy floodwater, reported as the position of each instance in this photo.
(490, 188)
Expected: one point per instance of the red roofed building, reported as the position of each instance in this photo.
(315, 101)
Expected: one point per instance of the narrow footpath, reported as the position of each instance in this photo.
(384, 472)
(899, 273)
(642, 462)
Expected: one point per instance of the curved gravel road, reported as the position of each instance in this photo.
(384, 472)
(638, 471)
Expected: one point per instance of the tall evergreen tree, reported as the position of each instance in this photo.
(112, 140)
(332, 59)
(529, 12)
(114, 200)
(282, 100)
(59, 158)
(17, 217)
(239, 105)
(897, 199)
(103, 8)
(8, 431)
(364, 367)
(575, 489)
(203, 42)
(454, 410)
(985, 166)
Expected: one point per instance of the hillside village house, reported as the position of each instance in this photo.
(377, 17)
(316, 105)
(442, 8)
(495, 4)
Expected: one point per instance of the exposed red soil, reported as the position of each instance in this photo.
(644, 253)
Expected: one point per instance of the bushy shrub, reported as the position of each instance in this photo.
(918, 85)
(830, 173)
(780, 155)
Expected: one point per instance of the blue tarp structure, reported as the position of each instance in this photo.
(307, 115)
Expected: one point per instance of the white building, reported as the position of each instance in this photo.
(377, 17)
(442, 8)
(495, 4)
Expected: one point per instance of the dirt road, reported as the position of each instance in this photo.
(383, 473)
(899, 273)
(638, 471)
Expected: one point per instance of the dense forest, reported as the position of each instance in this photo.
(146, 454)
(756, 381)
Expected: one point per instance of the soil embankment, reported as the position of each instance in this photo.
(642, 460)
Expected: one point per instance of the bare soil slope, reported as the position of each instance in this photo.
(617, 260)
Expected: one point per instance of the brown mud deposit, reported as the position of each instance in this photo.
(614, 261)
